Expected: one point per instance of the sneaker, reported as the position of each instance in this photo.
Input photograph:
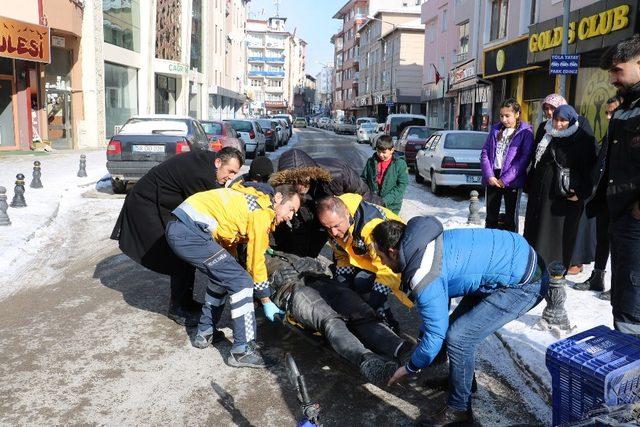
(377, 370)
(250, 358)
(182, 317)
(595, 282)
(446, 416)
(205, 339)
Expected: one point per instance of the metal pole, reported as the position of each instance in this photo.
(565, 43)
(393, 46)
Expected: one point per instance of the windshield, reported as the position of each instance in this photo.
(212, 128)
(465, 141)
(399, 123)
(154, 126)
(241, 125)
(265, 123)
(419, 133)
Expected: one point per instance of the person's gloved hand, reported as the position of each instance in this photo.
(271, 310)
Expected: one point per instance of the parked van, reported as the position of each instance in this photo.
(396, 123)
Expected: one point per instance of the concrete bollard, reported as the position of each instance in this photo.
(554, 313)
(37, 173)
(474, 209)
(18, 193)
(82, 172)
(4, 217)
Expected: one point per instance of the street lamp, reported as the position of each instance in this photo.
(394, 26)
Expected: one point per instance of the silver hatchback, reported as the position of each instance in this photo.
(451, 159)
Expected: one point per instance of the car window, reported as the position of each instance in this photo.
(265, 123)
(435, 139)
(212, 128)
(241, 125)
(198, 132)
(399, 123)
(155, 126)
(258, 127)
(404, 134)
(418, 133)
(465, 141)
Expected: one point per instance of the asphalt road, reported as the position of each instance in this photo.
(96, 348)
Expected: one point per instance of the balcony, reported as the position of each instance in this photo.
(461, 57)
(276, 74)
(263, 59)
(255, 58)
(274, 89)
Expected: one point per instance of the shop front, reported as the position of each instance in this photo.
(471, 97)
(364, 106)
(506, 67)
(24, 47)
(169, 78)
(592, 29)
(276, 107)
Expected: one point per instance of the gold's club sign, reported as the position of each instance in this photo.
(22, 40)
(599, 24)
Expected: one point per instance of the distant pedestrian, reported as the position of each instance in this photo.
(504, 160)
(553, 212)
(386, 174)
(618, 185)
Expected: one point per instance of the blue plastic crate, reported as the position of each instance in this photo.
(590, 369)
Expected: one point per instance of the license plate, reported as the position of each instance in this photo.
(474, 179)
(148, 148)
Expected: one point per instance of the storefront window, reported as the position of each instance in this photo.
(121, 95)
(166, 94)
(122, 23)
(194, 100)
(592, 91)
(196, 35)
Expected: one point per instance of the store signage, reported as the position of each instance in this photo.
(564, 64)
(505, 59)
(275, 104)
(462, 73)
(390, 103)
(22, 40)
(596, 26)
(57, 41)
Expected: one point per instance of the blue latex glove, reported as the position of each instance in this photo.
(271, 310)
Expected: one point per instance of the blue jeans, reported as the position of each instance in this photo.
(624, 238)
(474, 319)
(226, 278)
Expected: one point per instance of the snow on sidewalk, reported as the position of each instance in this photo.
(22, 241)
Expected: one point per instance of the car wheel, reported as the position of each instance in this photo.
(118, 186)
(435, 189)
(419, 178)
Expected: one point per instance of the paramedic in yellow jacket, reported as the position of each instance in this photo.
(207, 229)
(349, 221)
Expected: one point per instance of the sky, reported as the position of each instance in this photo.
(313, 22)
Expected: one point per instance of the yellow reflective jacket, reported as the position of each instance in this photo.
(365, 217)
(237, 215)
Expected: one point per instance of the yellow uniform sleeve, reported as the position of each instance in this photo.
(258, 243)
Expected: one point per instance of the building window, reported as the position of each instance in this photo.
(121, 24)
(196, 35)
(463, 40)
(499, 9)
(532, 16)
(431, 32)
(121, 95)
(443, 21)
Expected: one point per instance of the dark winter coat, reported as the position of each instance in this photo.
(551, 221)
(147, 208)
(394, 182)
(618, 186)
(516, 160)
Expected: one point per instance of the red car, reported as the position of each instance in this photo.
(221, 134)
(411, 140)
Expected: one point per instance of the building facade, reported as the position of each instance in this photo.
(324, 90)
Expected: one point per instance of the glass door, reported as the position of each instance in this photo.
(7, 135)
(59, 118)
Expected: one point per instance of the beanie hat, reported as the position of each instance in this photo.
(261, 168)
(566, 112)
(555, 100)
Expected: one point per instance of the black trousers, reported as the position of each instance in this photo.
(493, 198)
(182, 287)
(602, 240)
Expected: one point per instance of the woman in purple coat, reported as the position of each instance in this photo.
(504, 159)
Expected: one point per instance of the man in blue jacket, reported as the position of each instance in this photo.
(498, 274)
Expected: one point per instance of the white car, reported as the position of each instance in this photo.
(252, 135)
(361, 120)
(451, 158)
(395, 123)
(365, 132)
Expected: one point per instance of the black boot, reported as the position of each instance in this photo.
(595, 282)
(605, 295)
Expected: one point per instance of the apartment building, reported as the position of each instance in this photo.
(276, 63)
(324, 90)
(391, 64)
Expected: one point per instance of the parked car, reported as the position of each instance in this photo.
(272, 138)
(395, 123)
(284, 131)
(251, 133)
(300, 122)
(362, 120)
(222, 134)
(323, 122)
(365, 132)
(287, 117)
(412, 139)
(146, 141)
(343, 126)
(378, 131)
(451, 158)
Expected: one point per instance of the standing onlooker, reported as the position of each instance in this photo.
(549, 105)
(619, 183)
(504, 159)
(386, 174)
(551, 221)
(595, 282)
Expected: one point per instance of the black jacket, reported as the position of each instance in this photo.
(147, 208)
(619, 183)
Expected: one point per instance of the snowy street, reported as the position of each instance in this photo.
(84, 338)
